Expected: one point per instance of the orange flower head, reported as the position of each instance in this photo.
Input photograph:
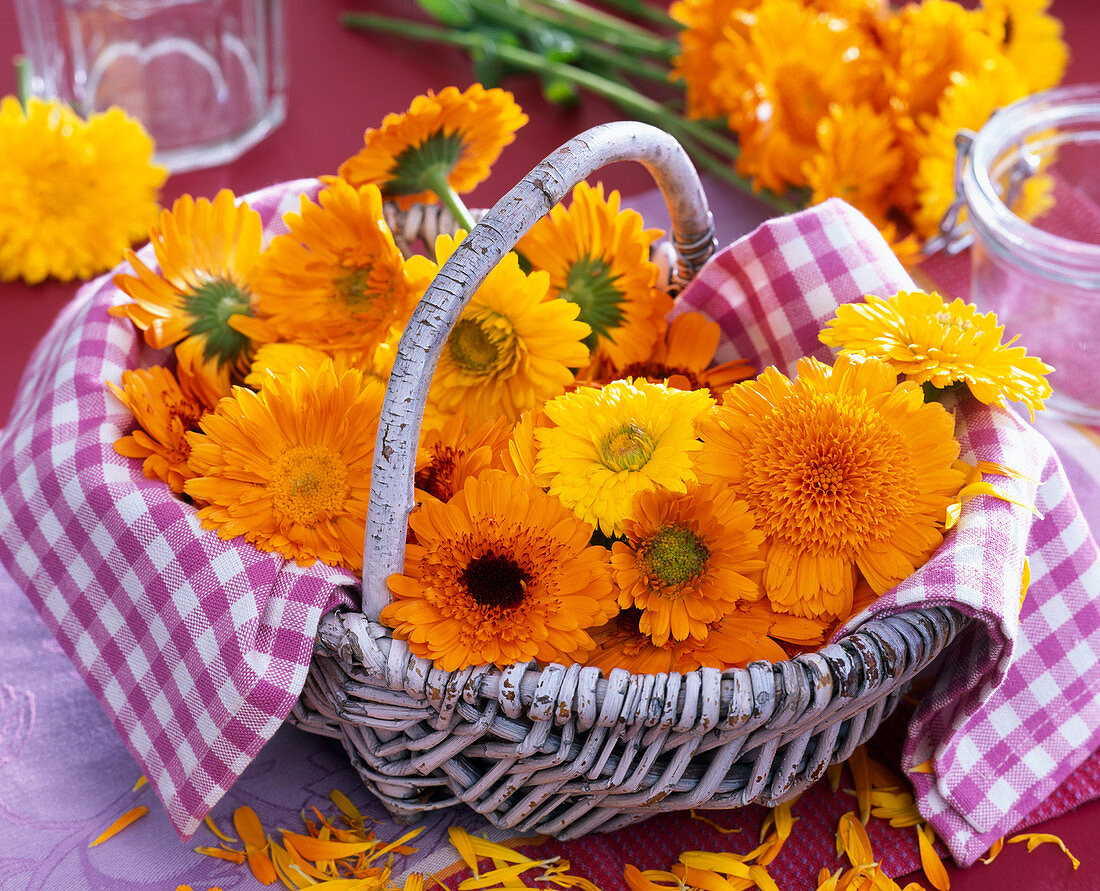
(789, 67)
(449, 136)
(289, 467)
(510, 350)
(686, 560)
(682, 360)
(501, 573)
(598, 258)
(165, 411)
(206, 251)
(337, 280)
(843, 469)
(456, 452)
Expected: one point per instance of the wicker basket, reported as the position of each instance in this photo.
(564, 751)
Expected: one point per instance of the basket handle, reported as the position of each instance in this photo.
(391, 491)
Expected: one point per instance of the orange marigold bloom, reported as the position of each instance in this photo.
(598, 258)
(510, 350)
(622, 644)
(458, 451)
(289, 467)
(206, 251)
(705, 23)
(967, 103)
(682, 360)
(501, 573)
(843, 468)
(165, 412)
(1030, 37)
(457, 136)
(791, 64)
(750, 632)
(859, 159)
(928, 45)
(685, 560)
(337, 280)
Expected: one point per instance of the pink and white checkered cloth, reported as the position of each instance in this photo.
(1015, 706)
(197, 648)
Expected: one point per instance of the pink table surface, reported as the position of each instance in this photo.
(64, 774)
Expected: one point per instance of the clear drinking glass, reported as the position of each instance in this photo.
(205, 77)
(1041, 275)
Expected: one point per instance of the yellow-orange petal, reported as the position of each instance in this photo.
(118, 825)
(930, 861)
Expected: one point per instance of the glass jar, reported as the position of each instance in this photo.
(205, 77)
(1030, 181)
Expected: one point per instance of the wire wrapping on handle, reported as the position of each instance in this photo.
(498, 232)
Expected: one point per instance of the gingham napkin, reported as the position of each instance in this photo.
(1015, 704)
(196, 647)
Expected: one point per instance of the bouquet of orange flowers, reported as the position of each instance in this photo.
(590, 487)
(800, 100)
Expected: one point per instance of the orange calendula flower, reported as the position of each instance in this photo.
(276, 359)
(682, 359)
(598, 258)
(165, 413)
(74, 194)
(620, 643)
(289, 467)
(337, 280)
(844, 469)
(859, 159)
(705, 23)
(511, 348)
(928, 45)
(447, 139)
(501, 573)
(931, 341)
(788, 67)
(451, 455)
(968, 103)
(685, 560)
(604, 446)
(1030, 37)
(206, 252)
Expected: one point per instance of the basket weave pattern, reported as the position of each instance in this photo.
(564, 751)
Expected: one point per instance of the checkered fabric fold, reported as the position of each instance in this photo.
(196, 647)
(1015, 706)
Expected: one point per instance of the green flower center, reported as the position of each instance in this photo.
(210, 307)
(590, 284)
(628, 448)
(360, 288)
(421, 167)
(483, 345)
(495, 582)
(309, 484)
(675, 555)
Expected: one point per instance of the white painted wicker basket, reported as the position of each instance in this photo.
(564, 751)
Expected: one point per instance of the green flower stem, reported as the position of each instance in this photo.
(590, 23)
(646, 12)
(22, 80)
(437, 182)
(616, 58)
(692, 134)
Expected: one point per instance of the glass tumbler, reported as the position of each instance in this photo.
(205, 77)
(1039, 269)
